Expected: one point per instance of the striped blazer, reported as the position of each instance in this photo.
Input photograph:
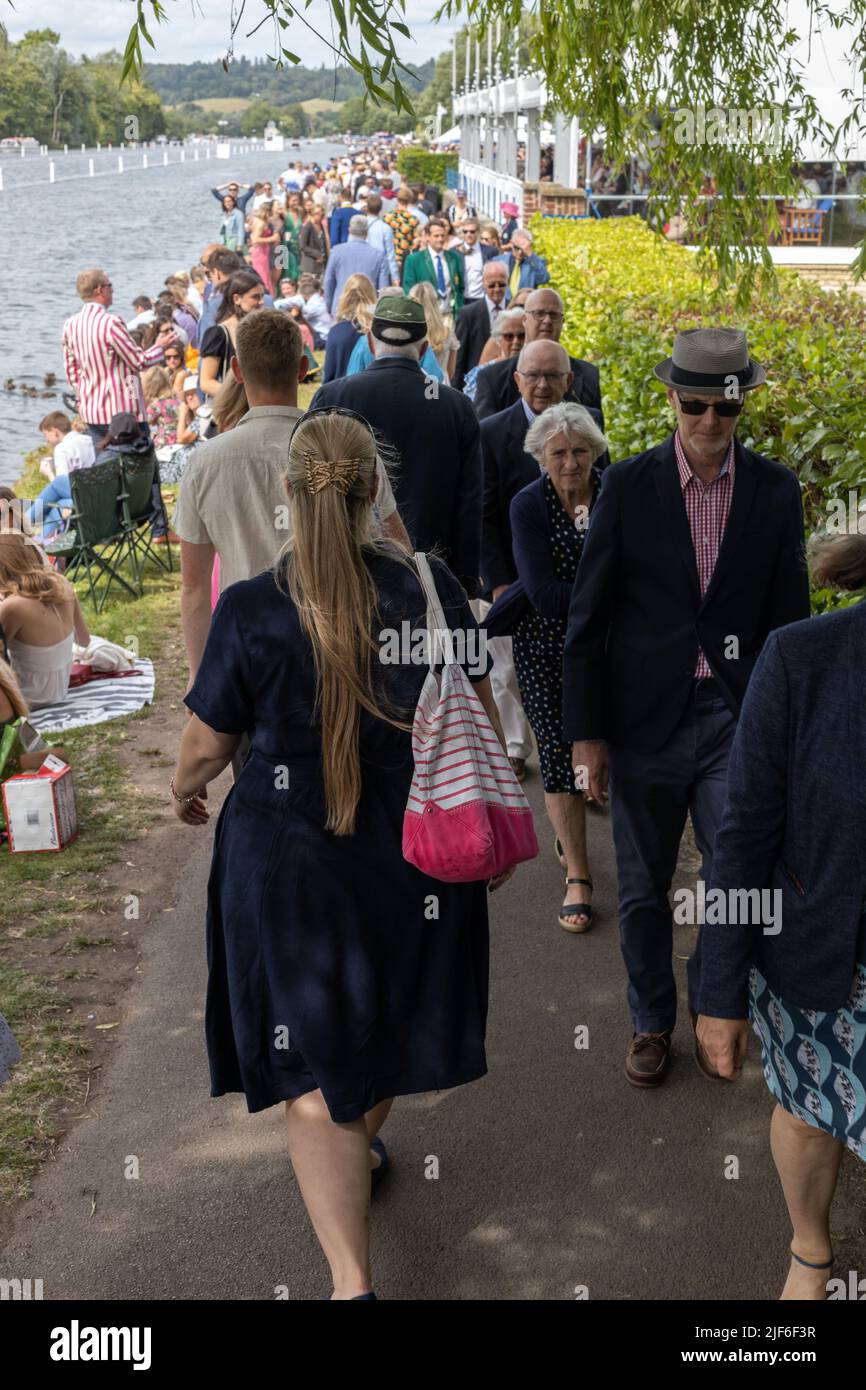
(103, 364)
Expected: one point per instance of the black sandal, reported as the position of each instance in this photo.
(569, 911)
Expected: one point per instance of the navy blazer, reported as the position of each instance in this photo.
(342, 338)
(507, 470)
(637, 617)
(533, 272)
(533, 551)
(795, 820)
(473, 330)
(437, 483)
(496, 389)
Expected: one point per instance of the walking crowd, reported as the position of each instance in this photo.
(644, 624)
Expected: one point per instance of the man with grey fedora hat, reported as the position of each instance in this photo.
(694, 553)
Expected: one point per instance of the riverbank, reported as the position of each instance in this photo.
(69, 943)
(72, 925)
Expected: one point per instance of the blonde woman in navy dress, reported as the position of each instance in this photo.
(332, 986)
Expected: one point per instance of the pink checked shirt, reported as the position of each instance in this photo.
(707, 508)
(103, 364)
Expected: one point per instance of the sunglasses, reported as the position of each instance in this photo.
(722, 408)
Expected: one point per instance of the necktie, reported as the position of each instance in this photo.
(440, 275)
(514, 279)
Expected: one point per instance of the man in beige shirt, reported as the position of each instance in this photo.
(232, 501)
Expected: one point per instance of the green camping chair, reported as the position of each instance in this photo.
(140, 474)
(95, 540)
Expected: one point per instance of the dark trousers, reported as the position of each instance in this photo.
(651, 795)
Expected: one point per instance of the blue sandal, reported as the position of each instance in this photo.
(809, 1264)
(359, 1298)
(570, 911)
(377, 1174)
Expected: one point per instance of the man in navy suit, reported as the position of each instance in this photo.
(496, 386)
(694, 554)
(433, 430)
(475, 321)
(544, 378)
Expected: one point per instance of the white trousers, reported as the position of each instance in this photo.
(506, 692)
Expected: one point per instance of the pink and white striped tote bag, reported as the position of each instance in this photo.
(467, 817)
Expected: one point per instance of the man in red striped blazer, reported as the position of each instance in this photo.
(102, 361)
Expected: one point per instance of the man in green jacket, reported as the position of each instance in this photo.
(443, 269)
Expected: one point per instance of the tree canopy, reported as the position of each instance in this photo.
(627, 69)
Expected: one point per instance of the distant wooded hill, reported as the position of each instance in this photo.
(178, 83)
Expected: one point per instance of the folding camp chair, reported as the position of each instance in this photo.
(95, 540)
(141, 501)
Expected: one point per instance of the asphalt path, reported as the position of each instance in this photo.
(553, 1178)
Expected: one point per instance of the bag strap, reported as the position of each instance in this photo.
(441, 639)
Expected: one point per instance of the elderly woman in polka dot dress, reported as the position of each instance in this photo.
(548, 522)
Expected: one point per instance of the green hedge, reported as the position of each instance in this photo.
(418, 165)
(627, 291)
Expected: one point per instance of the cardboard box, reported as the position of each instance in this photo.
(40, 808)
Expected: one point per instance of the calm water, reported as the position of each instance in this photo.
(140, 226)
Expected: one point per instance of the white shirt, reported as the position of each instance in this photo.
(444, 295)
(493, 311)
(262, 198)
(315, 312)
(474, 272)
(74, 451)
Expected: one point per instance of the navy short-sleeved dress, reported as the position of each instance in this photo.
(333, 963)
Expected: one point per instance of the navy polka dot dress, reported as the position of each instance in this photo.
(538, 646)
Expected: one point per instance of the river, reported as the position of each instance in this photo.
(139, 225)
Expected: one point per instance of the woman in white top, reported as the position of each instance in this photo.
(41, 617)
(442, 339)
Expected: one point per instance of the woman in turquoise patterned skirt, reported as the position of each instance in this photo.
(794, 834)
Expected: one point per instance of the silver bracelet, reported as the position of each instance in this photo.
(184, 800)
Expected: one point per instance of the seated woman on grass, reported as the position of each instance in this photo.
(41, 617)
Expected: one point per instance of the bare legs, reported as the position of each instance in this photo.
(807, 1160)
(567, 815)
(332, 1164)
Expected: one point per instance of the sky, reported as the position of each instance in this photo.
(200, 29)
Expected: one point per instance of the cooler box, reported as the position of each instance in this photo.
(40, 808)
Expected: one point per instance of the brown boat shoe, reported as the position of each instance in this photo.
(648, 1058)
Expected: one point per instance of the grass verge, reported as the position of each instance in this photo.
(54, 907)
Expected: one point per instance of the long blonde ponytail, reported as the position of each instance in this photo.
(330, 481)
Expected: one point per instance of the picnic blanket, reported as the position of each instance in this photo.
(98, 701)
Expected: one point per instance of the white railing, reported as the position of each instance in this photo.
(486, 189)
